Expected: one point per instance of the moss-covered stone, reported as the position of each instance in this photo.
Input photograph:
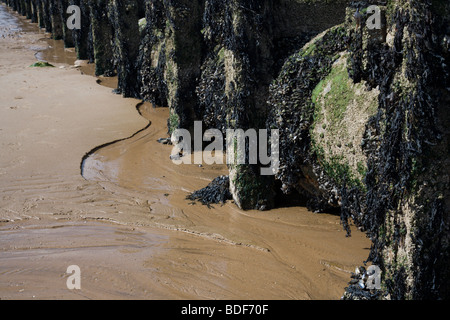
(299, 83)
(342, 109)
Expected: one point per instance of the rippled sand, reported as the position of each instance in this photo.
(127, 225)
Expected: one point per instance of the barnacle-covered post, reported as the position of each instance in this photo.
(56, 19)
(39, 14)
(67, 34)
(45, 19)
(81, 36)
(28, 9)
(152, 54)
(183, 52)
(124, 17)
(21, 7)
(33, 11)
(14, 4)
(102, 37)
(247, 60)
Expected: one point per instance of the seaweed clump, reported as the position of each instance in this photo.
(218, 191)
(42, 64)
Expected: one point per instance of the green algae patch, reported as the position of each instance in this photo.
(42, 64)
(342, 108)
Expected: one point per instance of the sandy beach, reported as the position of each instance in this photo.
(126, 223)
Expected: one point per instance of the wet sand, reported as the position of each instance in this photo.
(126, 223)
